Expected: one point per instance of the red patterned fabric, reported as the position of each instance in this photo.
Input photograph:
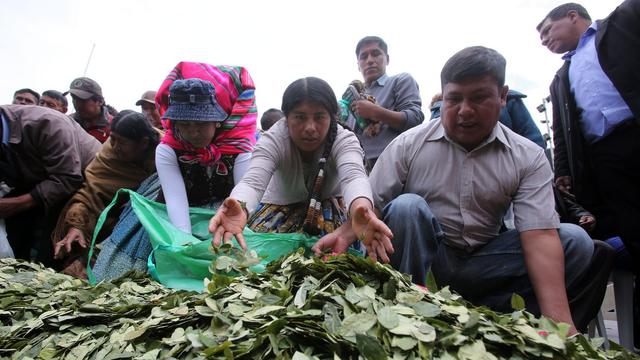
(235, 94)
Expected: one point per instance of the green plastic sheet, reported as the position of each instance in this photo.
(180, 260)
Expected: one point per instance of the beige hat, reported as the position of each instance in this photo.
(149, 96)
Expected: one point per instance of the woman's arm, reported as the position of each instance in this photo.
(373, 232)
(241, 166)
(252, 174)
(173, 188)
(363, 223)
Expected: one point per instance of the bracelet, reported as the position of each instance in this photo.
(243, 206)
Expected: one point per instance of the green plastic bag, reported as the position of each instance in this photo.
(180, 260)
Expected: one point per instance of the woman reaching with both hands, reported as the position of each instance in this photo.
(196, 168)
(304, 169)
(210, 122)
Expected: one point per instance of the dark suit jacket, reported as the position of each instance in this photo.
(618, 47)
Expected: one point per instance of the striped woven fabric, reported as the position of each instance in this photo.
(289, 218)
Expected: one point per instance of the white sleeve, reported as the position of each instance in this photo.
(349, 159)
(240, 166)
(260, 169)
(173, 188)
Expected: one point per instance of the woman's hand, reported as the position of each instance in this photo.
(74, 236)
(229, 221)
(338, 241)
(374, 234)
(366, 227)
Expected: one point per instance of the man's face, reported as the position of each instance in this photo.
(88, 109)
(562, 35)
(52, 103)
(372, 62)
(151, 113)
(25, 98)
(471, 109)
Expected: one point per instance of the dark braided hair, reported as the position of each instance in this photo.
(317, 91)
(135, 127)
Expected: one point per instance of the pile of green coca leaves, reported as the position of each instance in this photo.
(343, 307)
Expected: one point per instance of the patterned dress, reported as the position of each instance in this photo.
(290, 218)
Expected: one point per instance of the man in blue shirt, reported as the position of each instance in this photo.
(596, 114)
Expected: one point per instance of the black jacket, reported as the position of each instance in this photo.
(618, 47)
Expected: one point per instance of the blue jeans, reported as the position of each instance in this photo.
(487, 276)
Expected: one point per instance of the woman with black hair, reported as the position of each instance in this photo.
(307, 172)
(124, 161)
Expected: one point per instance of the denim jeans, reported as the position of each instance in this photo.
(487, 276)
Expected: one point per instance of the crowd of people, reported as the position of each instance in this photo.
(469, 194)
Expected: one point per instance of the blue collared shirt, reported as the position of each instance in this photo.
(603, 109)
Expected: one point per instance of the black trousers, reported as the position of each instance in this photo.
(29, 234)
(616, 168)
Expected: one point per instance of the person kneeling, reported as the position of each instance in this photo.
(444, 187)
(307, 170)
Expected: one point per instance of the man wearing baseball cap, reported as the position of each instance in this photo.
(148, 103)
(91, 112)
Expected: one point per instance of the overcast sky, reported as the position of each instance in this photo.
(45, 44)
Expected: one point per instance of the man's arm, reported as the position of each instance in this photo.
(537, 221)
(544, 258)
(368, 110)
(10, 206)
(407, 111)
(60, 156)
(618, 51)
(389, 175)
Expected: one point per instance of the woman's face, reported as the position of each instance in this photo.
(128, 150)
(197, 133)
(308, 126)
